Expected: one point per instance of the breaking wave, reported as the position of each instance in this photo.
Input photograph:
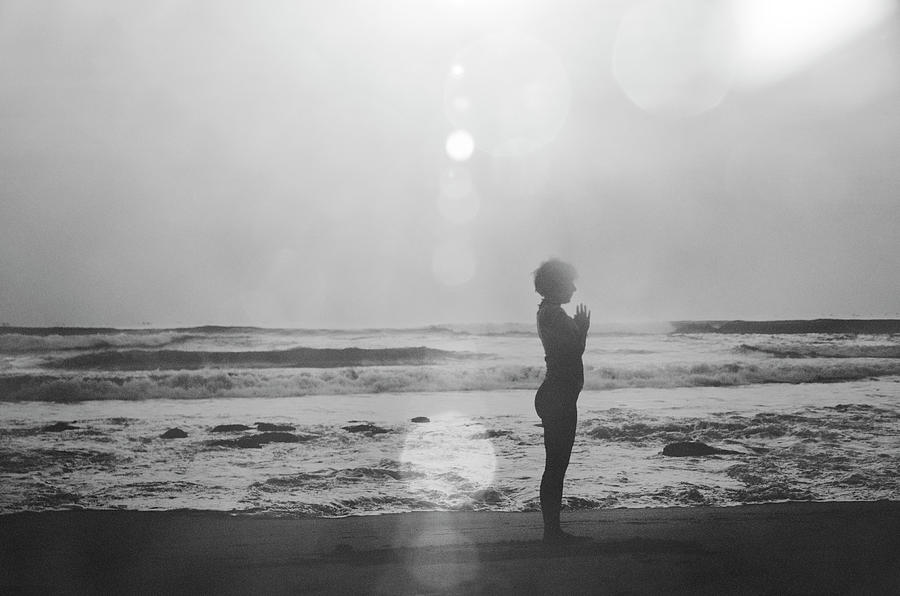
(792, 327)
(826, 350)
(20, 342)
(739, 373)
(472, 375)
(53, 339)
(292, 358)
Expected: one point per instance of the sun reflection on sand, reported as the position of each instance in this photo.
(457, 566)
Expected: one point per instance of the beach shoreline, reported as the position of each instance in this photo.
(785, 548)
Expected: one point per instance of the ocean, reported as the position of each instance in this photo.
(348, 422)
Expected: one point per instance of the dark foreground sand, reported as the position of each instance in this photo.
(797, 548)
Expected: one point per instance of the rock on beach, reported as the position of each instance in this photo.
(59, 427)
(174, 433)
(365, 428)
(694, 449)
(257, 441)
(270, 427)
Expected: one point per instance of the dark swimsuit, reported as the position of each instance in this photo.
(556, 401)
(563, 346)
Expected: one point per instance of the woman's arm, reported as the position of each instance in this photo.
(563, 334)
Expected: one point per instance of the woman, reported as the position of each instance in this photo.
(563, 338)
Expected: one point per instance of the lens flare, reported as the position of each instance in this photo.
(781, 37)
(510, 91)
(675, 57)
(460, 145)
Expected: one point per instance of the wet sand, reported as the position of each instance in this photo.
(791, 548)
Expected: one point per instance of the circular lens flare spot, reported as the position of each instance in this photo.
(514, 96)
(460, 145)
(453, 263)
(676, 57)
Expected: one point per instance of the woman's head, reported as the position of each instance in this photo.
(555, 280)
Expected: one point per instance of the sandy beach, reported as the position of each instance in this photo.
(790, 548)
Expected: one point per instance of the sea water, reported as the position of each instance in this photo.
(808, 416)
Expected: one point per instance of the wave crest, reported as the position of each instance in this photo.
(284, 382)
(825, 351)
(19, 342)
(300, 357)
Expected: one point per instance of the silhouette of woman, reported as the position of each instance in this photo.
(563, 338)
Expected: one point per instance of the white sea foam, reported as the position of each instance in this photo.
(811, 416)
(792, 442)
(190, 384)
(21, 342)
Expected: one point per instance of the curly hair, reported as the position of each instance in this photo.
(551, 275)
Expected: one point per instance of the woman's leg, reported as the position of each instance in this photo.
(559, 436)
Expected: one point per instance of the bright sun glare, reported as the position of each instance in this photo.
(682, 57)
(779, 37)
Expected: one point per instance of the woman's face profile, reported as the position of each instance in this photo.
(563, 293)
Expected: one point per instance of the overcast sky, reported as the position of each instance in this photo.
(376, 163)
